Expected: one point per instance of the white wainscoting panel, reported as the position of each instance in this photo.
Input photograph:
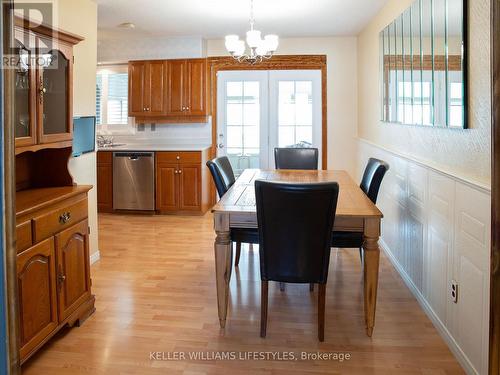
(436, 230)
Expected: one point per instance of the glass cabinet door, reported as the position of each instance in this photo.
(55, 96)
(24, 91)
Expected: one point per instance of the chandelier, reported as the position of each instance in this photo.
(259, 49)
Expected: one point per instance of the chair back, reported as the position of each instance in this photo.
(295, 227)
(372, 178)
(222, 174)
(296, 158)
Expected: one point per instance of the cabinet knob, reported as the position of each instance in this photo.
(180, 171)
(178, 157)
(65, 218)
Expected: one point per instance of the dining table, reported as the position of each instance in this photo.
(355, 213)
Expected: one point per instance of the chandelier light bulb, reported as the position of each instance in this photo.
(272, 42)
(253, 38)
(232, 43)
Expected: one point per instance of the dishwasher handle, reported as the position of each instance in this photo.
(133, 155)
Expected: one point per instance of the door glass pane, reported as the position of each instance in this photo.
(55, 83)
(243, 124)
(22, 92)
(295, 114)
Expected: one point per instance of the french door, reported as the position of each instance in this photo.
(260, 110)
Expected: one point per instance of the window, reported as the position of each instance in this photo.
(112, 97)
(295, 113)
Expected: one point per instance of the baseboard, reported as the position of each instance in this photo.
(441, 328)
(95, 257)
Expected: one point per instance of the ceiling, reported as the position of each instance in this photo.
(217, 18)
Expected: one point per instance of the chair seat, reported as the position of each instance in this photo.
(245, 235)
(347, 239)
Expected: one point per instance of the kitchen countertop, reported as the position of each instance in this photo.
(154, 147)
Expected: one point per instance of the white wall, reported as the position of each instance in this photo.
(126, 49)
(341, 55)
(80, 17)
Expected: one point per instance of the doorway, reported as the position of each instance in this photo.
(260, 110)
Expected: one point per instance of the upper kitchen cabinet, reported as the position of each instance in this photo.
(168, 91)
(187, 82)
(43, 86)
(148, 88)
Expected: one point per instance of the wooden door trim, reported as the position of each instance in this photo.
(12, 308)
(494, 353)
(280, 62)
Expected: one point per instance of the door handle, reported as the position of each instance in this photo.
(220, 145)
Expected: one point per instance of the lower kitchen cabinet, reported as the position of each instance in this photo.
(167, 186)
(105, 181)
(182, 182)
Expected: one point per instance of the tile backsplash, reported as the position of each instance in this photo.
(199, 134)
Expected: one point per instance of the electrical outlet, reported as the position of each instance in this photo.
(141, 127)
(153, 127)
(454, 291)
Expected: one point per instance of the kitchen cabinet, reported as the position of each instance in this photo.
(148, 88)
(168, 91)
(104, 181)
(167, 187)
(43, 87)
(187, 82)
(53, 273)
(182, 182)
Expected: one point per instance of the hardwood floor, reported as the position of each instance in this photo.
(155, 292)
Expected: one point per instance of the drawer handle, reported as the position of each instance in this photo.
(65, 218)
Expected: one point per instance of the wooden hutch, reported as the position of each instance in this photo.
(53, 264)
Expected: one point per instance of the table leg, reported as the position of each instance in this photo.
(223, 261)
(371, 266)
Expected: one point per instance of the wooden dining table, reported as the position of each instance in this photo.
(355, 213)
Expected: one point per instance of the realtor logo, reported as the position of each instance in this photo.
(26, 50)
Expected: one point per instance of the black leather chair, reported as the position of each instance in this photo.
(296, 158)
(223, 176)
(372, 179)
(295, 226)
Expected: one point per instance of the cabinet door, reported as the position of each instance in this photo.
(190, 187)
(73, 271)
(24, 90)
(167, 187)
(55, 95)
(158, 82)
(36, 282)
(136, 88)
(196, 87)
(176, 87)
(105, 181)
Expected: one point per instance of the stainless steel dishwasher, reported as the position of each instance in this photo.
(134, 181)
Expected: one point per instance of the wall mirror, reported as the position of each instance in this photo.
(423, 65)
